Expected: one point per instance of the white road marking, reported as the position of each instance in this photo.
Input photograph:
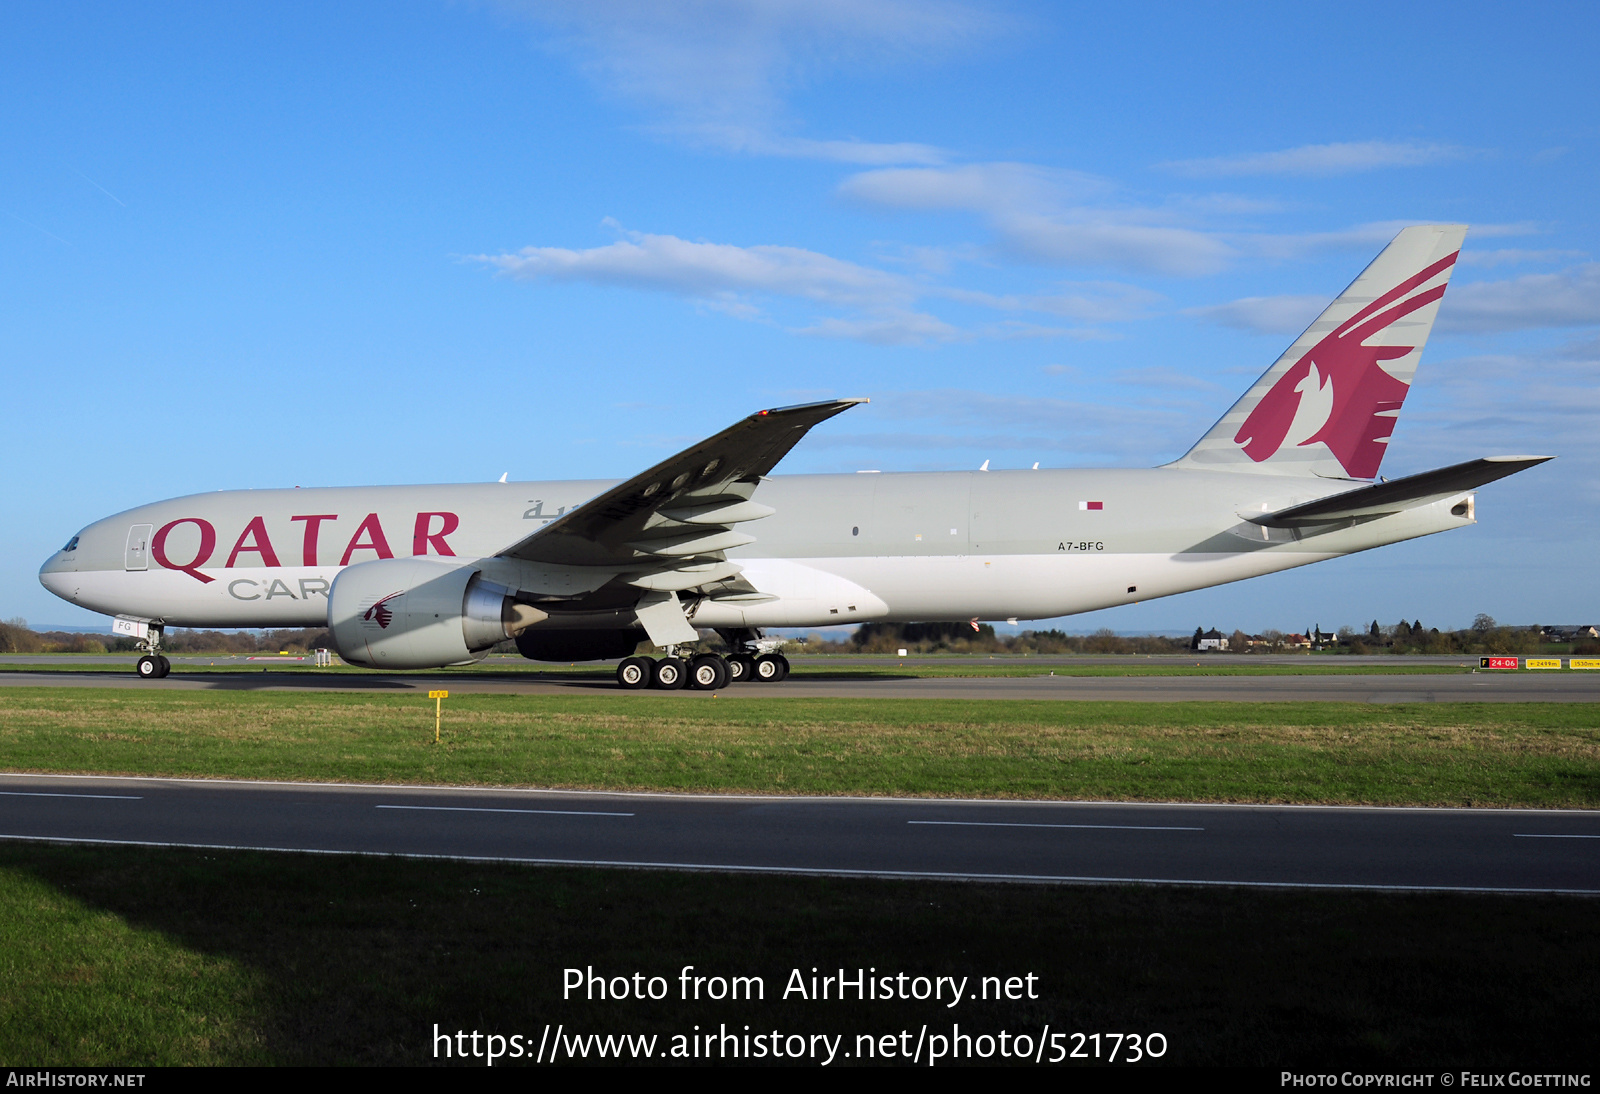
(41, 794)
(1018, 824)
(818, 871)
(473, 809)
(1550, 835)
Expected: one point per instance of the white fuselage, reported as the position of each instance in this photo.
(838, 549)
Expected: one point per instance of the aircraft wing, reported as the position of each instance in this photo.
(1384, 498)
(683, 511)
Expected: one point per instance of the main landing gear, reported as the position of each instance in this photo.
(704, 672)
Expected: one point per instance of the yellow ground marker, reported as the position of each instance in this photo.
(438, 698)
(1542, 663)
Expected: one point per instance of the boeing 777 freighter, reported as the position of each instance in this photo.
(409, 577)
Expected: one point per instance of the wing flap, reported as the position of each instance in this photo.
(698, 542)
(724, 513)
(663, 620)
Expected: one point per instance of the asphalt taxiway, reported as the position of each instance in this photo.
(1278, 846)
(1523, 686)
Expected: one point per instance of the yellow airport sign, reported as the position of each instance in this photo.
(1585, 662)
(438, 711)
(1542, 662)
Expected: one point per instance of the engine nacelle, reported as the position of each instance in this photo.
(420, 613)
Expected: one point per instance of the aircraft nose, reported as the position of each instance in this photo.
(58, 569)
(57, 580)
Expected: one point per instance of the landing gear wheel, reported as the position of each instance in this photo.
(166, 666)
(668, 674)
(708, 672)
(770, 668)
(741, 668)
(634, 672)
(148, 668)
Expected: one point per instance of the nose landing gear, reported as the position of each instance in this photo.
(152, 666)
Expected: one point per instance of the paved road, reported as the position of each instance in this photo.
(1565, 686)
(1503, 850)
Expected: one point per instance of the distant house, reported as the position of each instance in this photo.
(1297, 641)
(1568, 632)
(1212, 641)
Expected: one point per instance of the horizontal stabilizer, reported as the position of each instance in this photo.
(1384, 498)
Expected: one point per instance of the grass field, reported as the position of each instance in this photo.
(130, 956)
(125, 956)
(1543, 755)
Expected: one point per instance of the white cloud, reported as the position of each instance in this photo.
(974, 187)
(1570, 298)
(1164, 378)
(1324, 159)
(889, 327)
(864, 153)
(930, 260)
(1264, 314)
(718, 71)
(712, 271)
(1359, 237)
(1289, 245)
(1117, 240)
(1049, 216)
(1544, 401)
(1087, 301)
(1097, 432)
(879, 306)
(1511, 256)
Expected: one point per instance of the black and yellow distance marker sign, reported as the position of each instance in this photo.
(438, 698)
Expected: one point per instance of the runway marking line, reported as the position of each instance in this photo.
(37, 794)
(1551, 835)
(1020, 824)
(185, 781)
(806, 871)
(480, 809)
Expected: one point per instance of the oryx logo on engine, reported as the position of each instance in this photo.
(380, 614)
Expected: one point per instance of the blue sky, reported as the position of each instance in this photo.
(306, 244)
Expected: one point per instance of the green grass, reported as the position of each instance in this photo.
(132, 957)
(1543, 755)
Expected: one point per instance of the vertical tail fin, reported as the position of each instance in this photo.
(1329, 404)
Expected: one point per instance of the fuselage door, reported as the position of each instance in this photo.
(138, 556)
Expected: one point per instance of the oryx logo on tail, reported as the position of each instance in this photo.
(1338, 392)
(1327, 406)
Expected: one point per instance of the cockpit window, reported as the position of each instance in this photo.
(72, 544)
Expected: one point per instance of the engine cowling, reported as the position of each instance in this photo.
(420, 613)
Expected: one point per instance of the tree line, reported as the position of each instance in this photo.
(17, 637)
